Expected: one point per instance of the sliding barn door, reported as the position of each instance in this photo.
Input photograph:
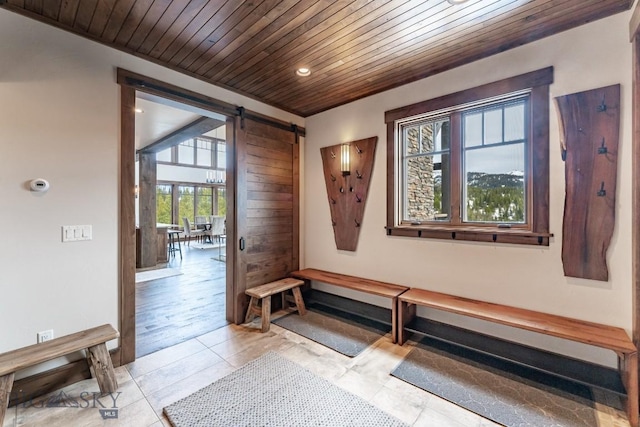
(266, 242)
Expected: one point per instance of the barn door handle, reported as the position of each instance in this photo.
(242, 243)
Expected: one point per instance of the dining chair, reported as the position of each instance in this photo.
(190, 232)
(217, 227)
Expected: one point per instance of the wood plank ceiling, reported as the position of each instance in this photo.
(354, 48)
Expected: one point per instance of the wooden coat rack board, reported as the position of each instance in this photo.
(590, 130)
(347, 191)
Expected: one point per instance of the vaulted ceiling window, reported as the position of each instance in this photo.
(473, 165)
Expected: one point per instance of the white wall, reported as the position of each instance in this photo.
(588, 57)
(59, 119)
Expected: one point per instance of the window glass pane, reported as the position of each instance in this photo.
(493, 126)
(163, 204)
(186, 203)
(204, 155)
(412, 140)
(514, 122)
(222, 201)
(473, 129)
(186, 153)
(427, 173)
(164, 155)
(494, 189)
(222, 155)
(205, 202)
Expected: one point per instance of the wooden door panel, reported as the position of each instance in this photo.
(267, 207)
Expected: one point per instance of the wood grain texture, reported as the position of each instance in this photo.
(596, 334)
(354, 48)
(591, 127)
(273, 288)
(635, 228)
(21, 358)
(6, 384)
(100, 362)
(127, 217)
(265, 205)
(347, 193)
(383, 289)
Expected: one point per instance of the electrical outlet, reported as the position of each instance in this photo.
(45, 336)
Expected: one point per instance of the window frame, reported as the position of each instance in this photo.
(536, 229)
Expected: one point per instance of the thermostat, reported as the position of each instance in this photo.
(40, 185)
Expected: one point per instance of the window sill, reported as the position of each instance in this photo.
(475, 234)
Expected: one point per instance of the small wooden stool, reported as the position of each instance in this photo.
(263, 293)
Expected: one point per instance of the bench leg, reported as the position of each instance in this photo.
(629, 370)
(6, 384)
(100, 360)
(253, 304)
(297, 296)
(406, 313)
(266, 313)
(394, 320)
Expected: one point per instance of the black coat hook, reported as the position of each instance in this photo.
(602, 192)
(333, 223)
(357, 223)
(358, 174)
(603, 148)
(341, 189)
(333, 201)
(333, 155)
(602, 107)
(333, 178)
(358, 199)
(358, 149)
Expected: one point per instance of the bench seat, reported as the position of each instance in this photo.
(92, 340)
(374, 287)
(595, 334)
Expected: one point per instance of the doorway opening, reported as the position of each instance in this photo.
(181, 199)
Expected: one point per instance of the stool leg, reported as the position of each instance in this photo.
(6, 384)
(179, 247)
(297, 296)
(266, 313)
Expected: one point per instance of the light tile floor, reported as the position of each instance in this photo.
(154, 381)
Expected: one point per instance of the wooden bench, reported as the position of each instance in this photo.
(92, 340)
(604, 336)
(263, 295)
(382, 289)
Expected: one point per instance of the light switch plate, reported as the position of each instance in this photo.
(75, 233)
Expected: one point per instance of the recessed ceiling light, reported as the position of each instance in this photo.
(139, 110)
(304, 72)
(457, 1)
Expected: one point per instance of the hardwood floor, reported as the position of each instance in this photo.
(178, 308)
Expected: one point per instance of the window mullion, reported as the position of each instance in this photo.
(455, 145)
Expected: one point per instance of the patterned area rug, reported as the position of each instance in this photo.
(161, 273)
(482, 385)
(344, 333)
(273, 391)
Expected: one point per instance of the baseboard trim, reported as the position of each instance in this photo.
(40, 384)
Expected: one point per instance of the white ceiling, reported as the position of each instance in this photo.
(161, 116)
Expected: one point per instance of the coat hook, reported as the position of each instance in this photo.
(563, 154)
(358, 149)
(333, 178)
(603, 148)
(358, 199)
(602, 192)
(358, 174)
(602, 107)
(333, 155)
(333, 201)
(357, 223)
(351, 189)
(333, 223)
(341, 189)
